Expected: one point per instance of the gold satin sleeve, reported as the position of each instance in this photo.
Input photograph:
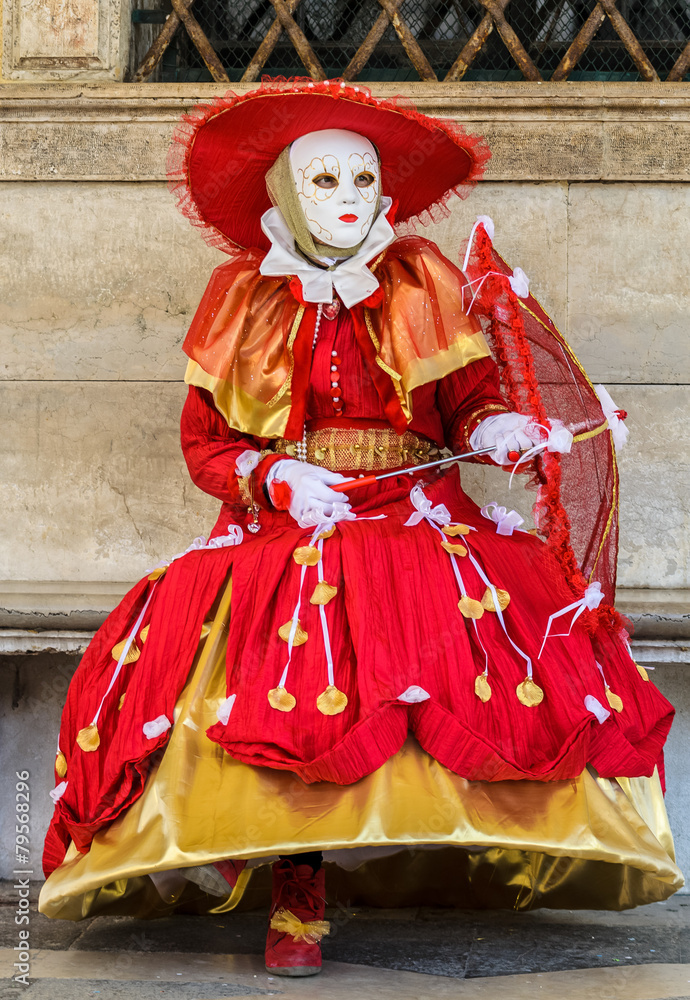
(242, 411)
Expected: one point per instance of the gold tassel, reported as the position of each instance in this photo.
(323, 593)
(488, 599)
(60, 764)
(456, 529)
(133, 653)
(614, 700)
(529, 693)
(286, 922)
(88, 738)
(158, 573)
(470, 608)
(281, 700)
(306, 555)
(331, 701)
(456, 550)
(642, 672)
(482, 688)
(328, 533)
(144, 634)
(300, 635)
(121, 701)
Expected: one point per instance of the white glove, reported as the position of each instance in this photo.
(515, 432)
(309, 485)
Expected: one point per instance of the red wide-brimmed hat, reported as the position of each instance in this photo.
(221, 151)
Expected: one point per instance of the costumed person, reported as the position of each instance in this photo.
(356, 670)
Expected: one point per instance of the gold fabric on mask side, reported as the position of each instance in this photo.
(590, 842)
(280, 184)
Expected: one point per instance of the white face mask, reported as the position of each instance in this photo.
(337, 179)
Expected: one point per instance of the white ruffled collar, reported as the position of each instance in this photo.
(351, 279)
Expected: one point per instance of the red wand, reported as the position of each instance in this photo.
(354, 484)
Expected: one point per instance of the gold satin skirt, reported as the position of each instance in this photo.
(411, 833)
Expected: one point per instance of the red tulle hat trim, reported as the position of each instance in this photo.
(221, 151)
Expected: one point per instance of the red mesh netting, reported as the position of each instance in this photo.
(576, 509)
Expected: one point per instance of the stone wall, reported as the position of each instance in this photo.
(99, 278)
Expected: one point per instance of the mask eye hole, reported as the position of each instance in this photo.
(364, 180)
(325, 181)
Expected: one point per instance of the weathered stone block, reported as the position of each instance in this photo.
(98, 281)
(628, 293)
(94, 486)
(54, 40)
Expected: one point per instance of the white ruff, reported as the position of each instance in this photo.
(351, 278)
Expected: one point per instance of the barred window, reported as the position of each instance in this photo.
(451, 36)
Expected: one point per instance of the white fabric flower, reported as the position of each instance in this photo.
(594, 706)
(414, 694)
(488, 224)
(619, 432)
(156, 727)
(57, 792)
(520, 283)
(223, 713)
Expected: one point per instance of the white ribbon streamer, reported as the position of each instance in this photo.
(422, 503)
(324, 623)
(506, 520)
(590, 600)
(233, 537)
(322, 522)
(497, 608)
(488, 224)
(436, 516)
(125, 650)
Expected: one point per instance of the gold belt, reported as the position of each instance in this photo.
(371, 449)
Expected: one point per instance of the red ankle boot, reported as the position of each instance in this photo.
(296, 921)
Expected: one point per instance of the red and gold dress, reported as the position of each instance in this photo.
(377, 683)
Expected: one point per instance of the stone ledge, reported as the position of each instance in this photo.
(23, 642)
(15, 642)
(42, 618)
(53, 607)
(56, 605)
(578, 131)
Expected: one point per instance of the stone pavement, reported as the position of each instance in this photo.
(414, 954)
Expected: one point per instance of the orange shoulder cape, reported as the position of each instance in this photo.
(250, 341)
